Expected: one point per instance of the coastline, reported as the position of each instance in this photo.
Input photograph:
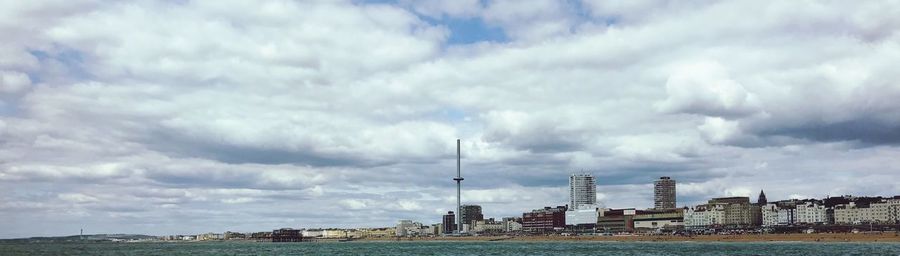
(891, 237)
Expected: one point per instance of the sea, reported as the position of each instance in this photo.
(451, 248)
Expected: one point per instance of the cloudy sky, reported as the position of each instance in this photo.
(166, 117)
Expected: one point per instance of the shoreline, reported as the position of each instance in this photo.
(890, 237)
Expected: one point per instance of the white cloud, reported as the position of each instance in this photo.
(13, 82)
(216, 113)
(705, 88)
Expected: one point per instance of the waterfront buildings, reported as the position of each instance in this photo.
(868, 211)
(582, 191)
(544, 220)
(664, 193)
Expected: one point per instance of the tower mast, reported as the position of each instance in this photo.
(458, 180)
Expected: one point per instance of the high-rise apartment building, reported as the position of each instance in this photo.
(582, 190)
(448, 224)
(470, 213)
(664, 193)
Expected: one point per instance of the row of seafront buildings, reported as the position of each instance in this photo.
(738, 212)
(582, 215)
(290, 235)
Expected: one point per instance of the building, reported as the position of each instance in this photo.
(769, 214)
(867, 210)
(381, 232)
(407, 228)
(544, 220)
(664, 193)
(810, 212)
(469, 214)
(512, 224)
(616, 221)
(888, 211)
(448, 224)
(737, 210)
(210, 237)
(757, 208)
(731, 212)
(659, 220)
(704, 216)
(334, 233)
(582, 190)
(286, 235)
(582, 218)
(313, 233)
(489, 226)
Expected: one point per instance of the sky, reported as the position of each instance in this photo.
(182, 117)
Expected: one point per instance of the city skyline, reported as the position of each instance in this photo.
(168, 117)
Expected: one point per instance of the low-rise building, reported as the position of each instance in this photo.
(737, 210)
(810, 212)
(544, 220)
(869, 210)
(408, 228)
(286, 235)
(489, 226)
(512, 224)
(313, 233)
(616, 220)
(334, 233)
(659, 220)
(584, 217)
(704, 216)
(887, 211)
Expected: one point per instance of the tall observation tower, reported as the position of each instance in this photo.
(458, 180)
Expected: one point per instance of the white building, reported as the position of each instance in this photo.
(312, 233)
(887, 212)
(786, 215)
(846, 214)
(582, 215)
(488, 226)
(704, 215)
(511, 225)
(408, 228)
(810, 212)
(582, 190)
(769, 214)
(884, 212)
